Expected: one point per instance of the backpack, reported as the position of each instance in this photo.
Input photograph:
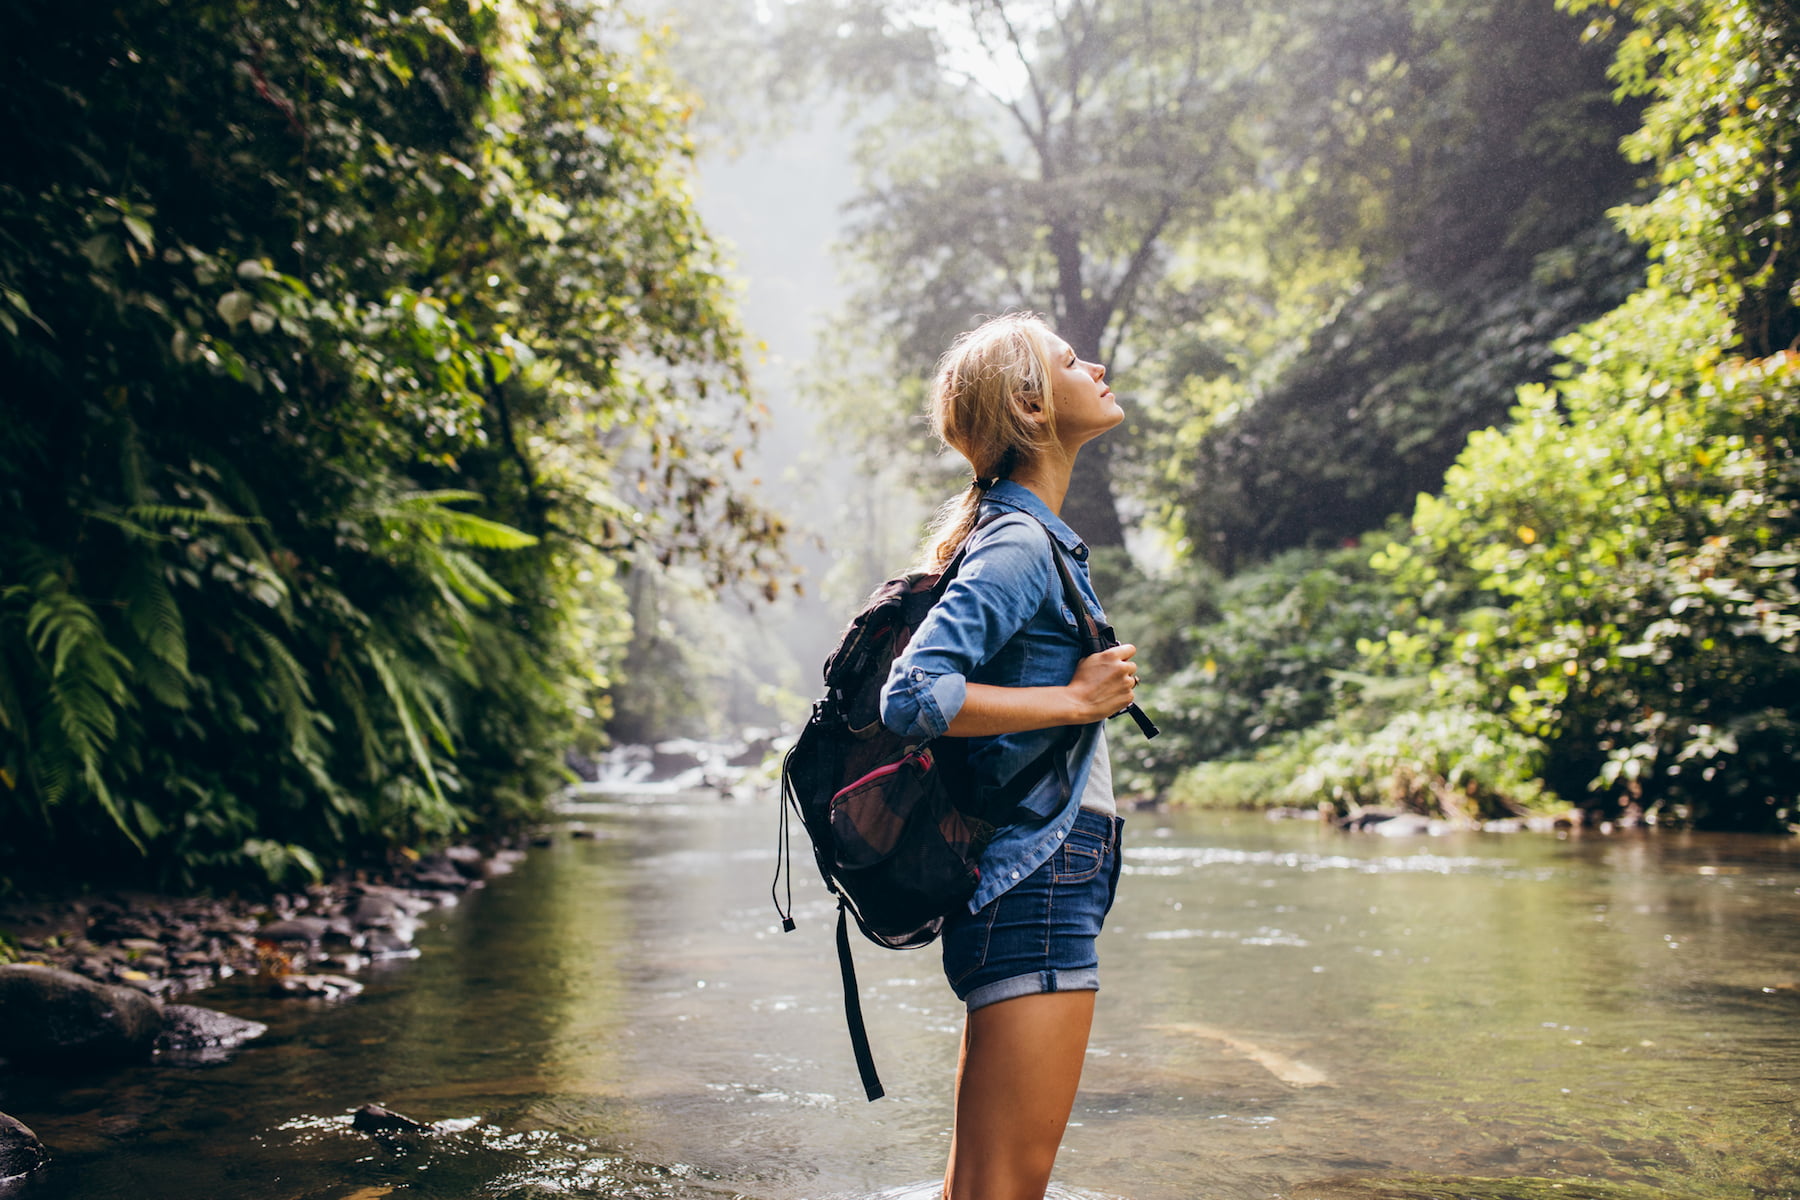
(896, 828)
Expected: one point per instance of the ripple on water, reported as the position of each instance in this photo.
(1262, 937)
(1174, 860)
(934, 1190)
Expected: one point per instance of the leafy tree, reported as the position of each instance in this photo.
(1615, 570)
(284, 289)
(1037, 155)
(1458, 172)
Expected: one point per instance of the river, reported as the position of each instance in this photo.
(1287, 1011)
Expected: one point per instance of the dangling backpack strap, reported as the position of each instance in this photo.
(853, 1016)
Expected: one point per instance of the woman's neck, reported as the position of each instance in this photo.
(1047, 478)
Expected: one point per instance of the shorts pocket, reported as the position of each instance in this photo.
(1078, 859)
(966, 943)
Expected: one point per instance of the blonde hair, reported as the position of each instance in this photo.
(979, 401)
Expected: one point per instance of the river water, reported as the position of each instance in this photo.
(1286, 1012)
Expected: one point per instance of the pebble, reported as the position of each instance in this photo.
(327, 987)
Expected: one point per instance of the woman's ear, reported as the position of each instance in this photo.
(1030, 406)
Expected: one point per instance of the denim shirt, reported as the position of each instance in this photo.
(1003, 620)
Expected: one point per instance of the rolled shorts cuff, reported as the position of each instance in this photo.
(1079, 979)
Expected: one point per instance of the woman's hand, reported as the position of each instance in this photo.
(1104, 683)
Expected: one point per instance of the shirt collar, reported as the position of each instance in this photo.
(1020, 498)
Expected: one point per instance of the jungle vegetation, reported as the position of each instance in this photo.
(364, 370)
(351, 355)
(1458, 345)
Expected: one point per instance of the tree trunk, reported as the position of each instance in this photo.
(1089, 509)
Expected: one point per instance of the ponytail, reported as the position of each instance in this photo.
(951, 527)
(978, 408)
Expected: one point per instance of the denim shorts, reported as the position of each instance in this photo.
(1038, 935)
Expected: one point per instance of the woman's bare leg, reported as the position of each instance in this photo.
(1021, 1062)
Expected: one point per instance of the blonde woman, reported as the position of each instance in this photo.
(999, 661)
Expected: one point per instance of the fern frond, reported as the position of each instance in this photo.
(97, 785)
(292, 690)
(155, 618)
(431, 697)
(136, 519)
(475, 582)
(347, 686)
(425, 511)
(384, 671)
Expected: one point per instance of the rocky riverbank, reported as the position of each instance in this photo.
(308, 942)
(92, 978)
(93, 975)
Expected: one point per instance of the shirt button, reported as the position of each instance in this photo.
(1015, 874)
(1059, 833)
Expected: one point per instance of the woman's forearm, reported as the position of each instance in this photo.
(1104, 684)
(989, 710)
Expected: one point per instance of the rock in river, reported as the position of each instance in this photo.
(299, 929)
(20, 1151)
(372, 1118)
(201, 1034)
(51, 1016)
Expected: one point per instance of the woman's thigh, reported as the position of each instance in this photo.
(1016, 1084)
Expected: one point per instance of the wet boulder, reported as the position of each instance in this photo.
(203, 1034)
(306, 930)
(1404, 825)
(20, 1151)
(390, 943)
(468, 860)
(1367, 818)
(381, 909)
(438, 873)
(51, 1017)
(372, 1118)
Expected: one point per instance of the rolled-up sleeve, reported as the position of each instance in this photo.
(1003, 579)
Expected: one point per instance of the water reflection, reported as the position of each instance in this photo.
(1286, 1011)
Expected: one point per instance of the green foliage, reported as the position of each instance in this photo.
(348, 352)
(1378, 403)
(1723, 80)
(1240, 783)
(1635, 534)
(1451, 761)
(1432, 224)
(1614, 572)
(1599, 603)
(1231, 666)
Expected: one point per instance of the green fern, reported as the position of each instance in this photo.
(155, 620)
(378, 660)
(425, 511)
(286, 681)
(136, 520)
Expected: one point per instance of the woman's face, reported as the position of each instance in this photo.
(1084, 406)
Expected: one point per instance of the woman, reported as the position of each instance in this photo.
(998, 661)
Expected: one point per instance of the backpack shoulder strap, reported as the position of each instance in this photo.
(1095, 635)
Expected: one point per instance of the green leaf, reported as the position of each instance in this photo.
(140, 232)
(234, 306)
